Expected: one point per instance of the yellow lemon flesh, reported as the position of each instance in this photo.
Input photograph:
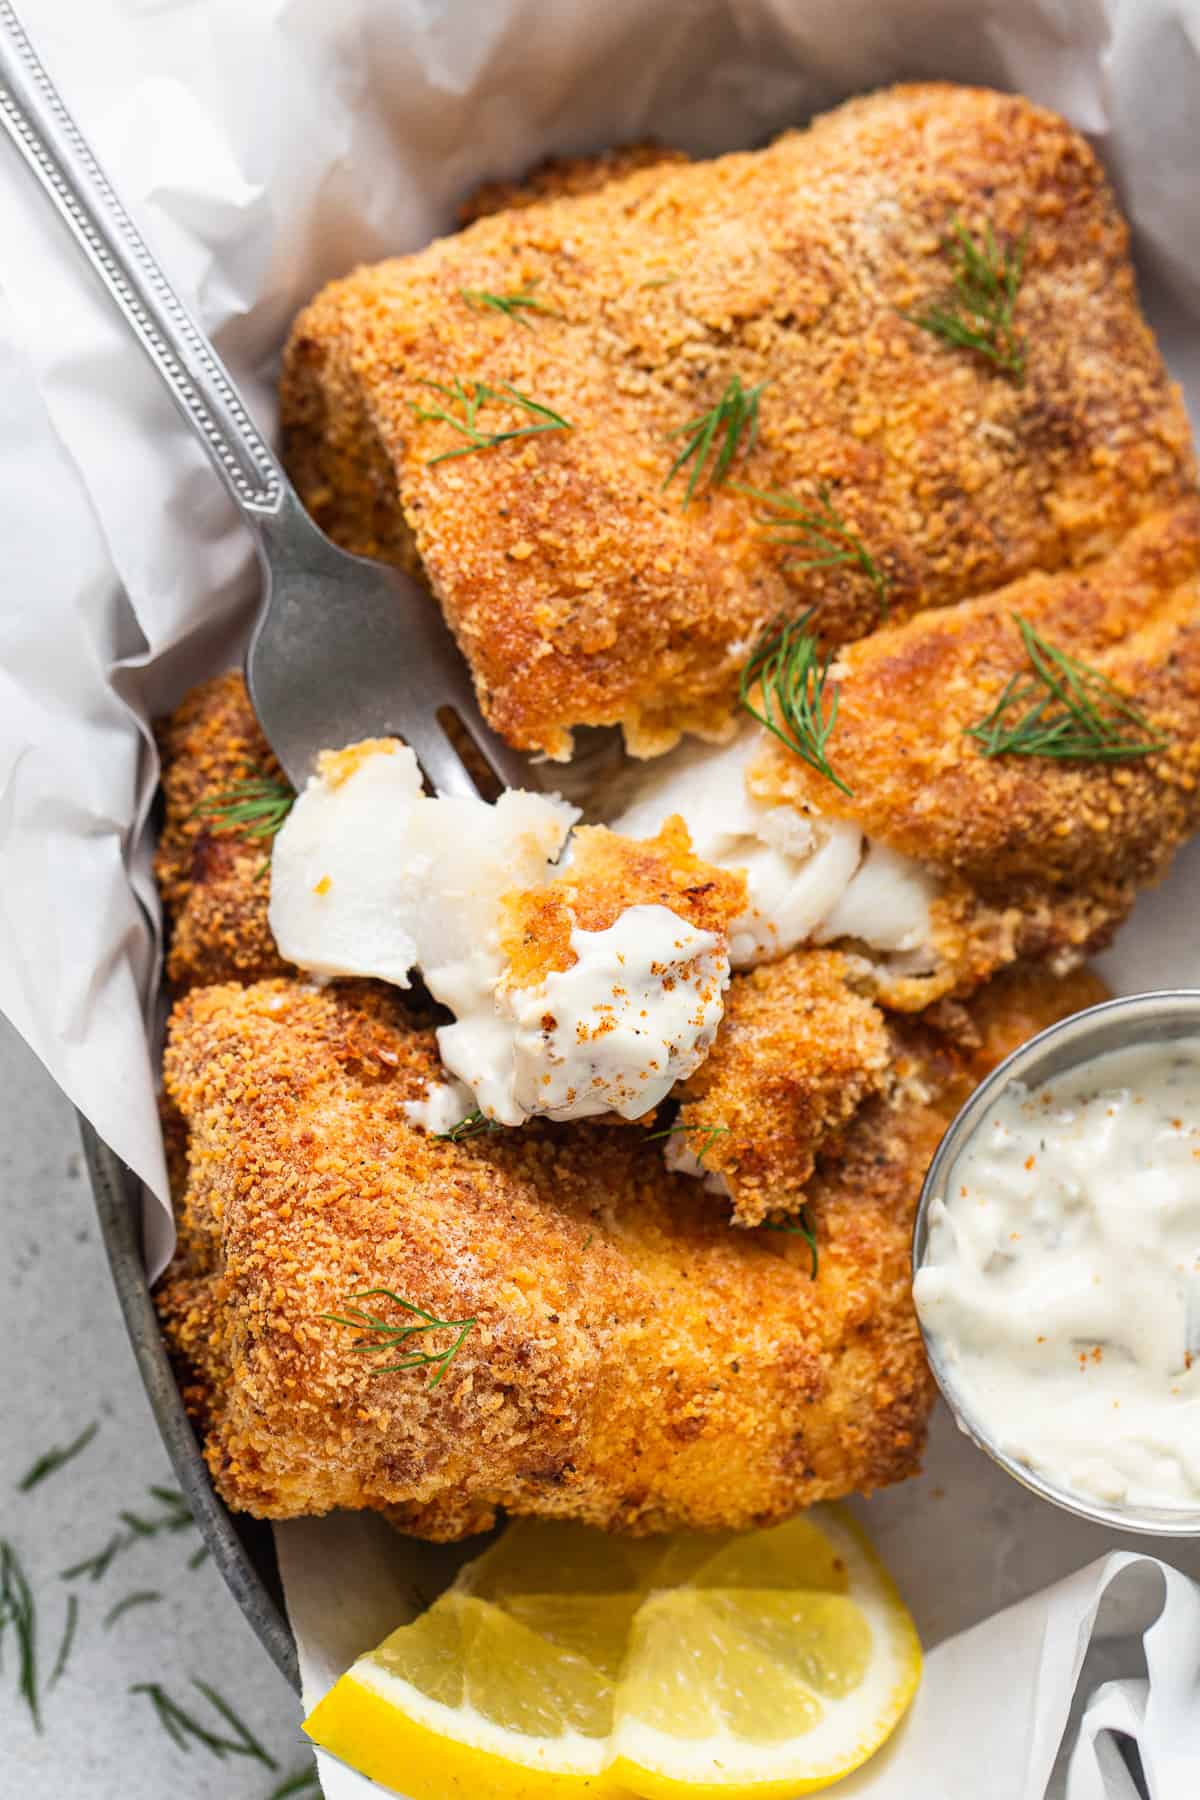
(565, 1662)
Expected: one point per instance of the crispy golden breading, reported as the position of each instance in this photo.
(1064, 843)
(558, 176)
(798, 1052)
(607, 874)
(212, 881)
(801, 1051)
(580, 588)
(978, 931)
(1007, 1013)
(627, 1358)
(633, 1362)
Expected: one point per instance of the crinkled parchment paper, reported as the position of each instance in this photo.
(264, 146)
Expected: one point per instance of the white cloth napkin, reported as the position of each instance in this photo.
(265, 145)
(1047, 1697)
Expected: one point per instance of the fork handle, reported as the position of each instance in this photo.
(39, 124)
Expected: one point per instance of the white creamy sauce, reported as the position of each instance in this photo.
(446, 1104)
(1062, 1277)
(372, 877)
(636, 1012)
(810, 879)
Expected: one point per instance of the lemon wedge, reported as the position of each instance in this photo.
(564, 1662)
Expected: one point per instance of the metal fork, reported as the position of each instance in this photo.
(343, 648)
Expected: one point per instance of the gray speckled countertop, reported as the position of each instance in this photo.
(66, 1363)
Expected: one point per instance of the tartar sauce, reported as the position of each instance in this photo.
(1061, 1281)
(637, 1012)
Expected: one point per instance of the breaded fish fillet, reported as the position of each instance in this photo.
(211, 875)
(580, 587)
(625, 1358)
(1068, 842)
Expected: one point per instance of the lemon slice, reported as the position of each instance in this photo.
(564, 1663)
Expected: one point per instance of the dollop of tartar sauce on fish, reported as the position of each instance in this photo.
(636, 1012)
(810, 880)
(1061, 1281)
(370, 876)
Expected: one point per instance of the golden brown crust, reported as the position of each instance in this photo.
(579, 589)
(798, 1052)
(1080, 835)
(607, 874)
(558, 176)
(802, 1052)
(212, 882)
(634, 1362)
(1007, 1013)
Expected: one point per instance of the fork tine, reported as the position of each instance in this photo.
(347, 649)
(512, 768)
(441, 764)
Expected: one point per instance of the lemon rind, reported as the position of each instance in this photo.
(392, 1731)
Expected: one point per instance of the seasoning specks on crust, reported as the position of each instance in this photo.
(580, 591)
(212, 882)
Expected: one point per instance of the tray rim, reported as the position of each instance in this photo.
(242, 1548)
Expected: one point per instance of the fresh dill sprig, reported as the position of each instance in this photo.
(514, 306)
(55, 1458)
(256, 807)
(1063, 710)
(198, 1556)
(803, 1228)
(97, 1566)
(17, 1609)
(392, 1336)
(304, 1781)
(250, 1744)
(176, 1517)
(474, 1125)
(977, 313)
(141, 1597)
(472, 398)
(181, 1727)
(173, 1500)
(822, 531)
(712, 1133)
(67, 1640)
(791, 676)
(734, 417)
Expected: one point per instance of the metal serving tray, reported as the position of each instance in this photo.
(241, 1547)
